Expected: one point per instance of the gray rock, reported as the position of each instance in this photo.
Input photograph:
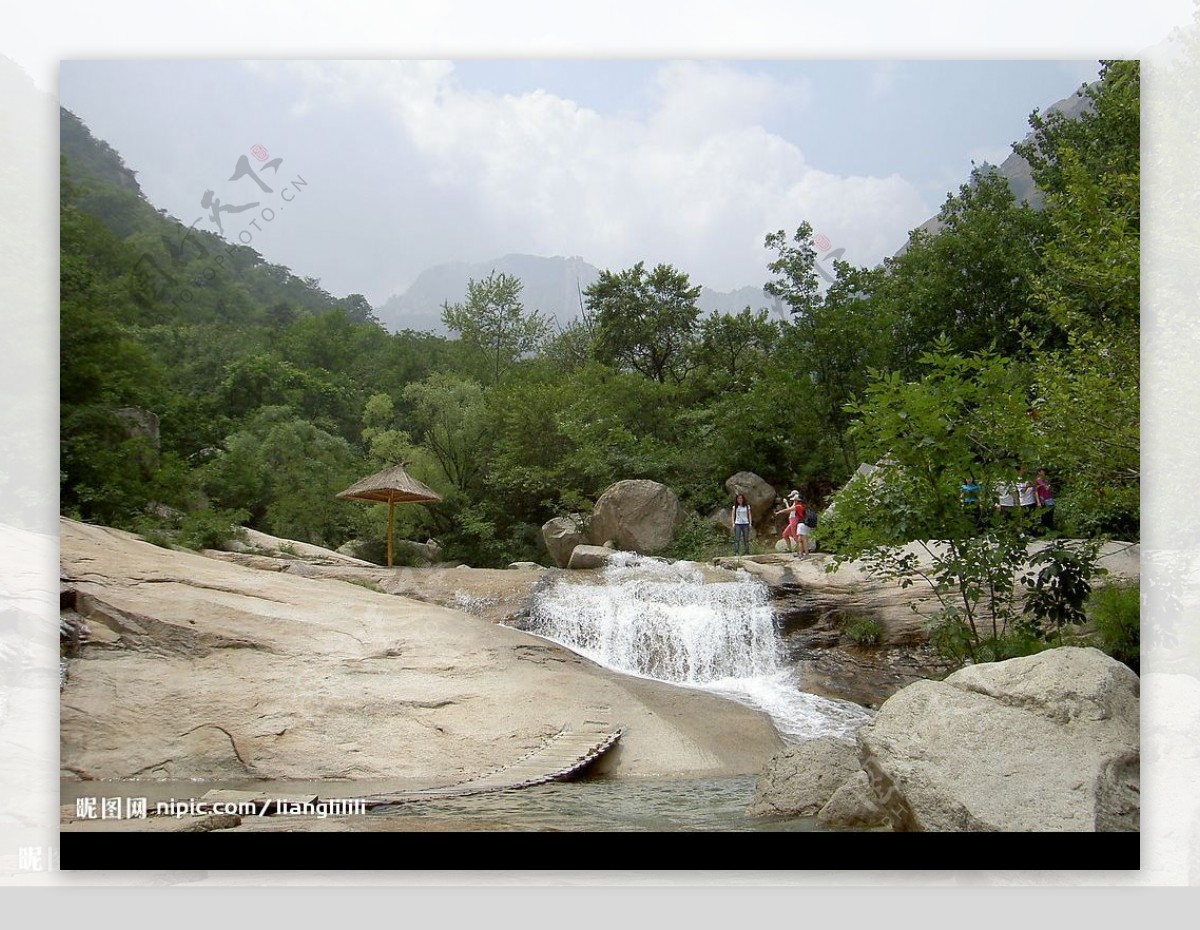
(256, 541)
(138, 421)
(800, 780)
(1046, 742)
(165, 512)
(853, 805)
(527, 566)
(759, 495)
(639, 515)
(562, 534)
(589, 557)
(416, 552)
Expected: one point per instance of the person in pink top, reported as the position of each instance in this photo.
(1045, 499)
(796, 529)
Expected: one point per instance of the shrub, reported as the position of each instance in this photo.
(1116, 612)
(1058, 586)
(208, 529)
(863, 630)
(698, 540)
(202, 529)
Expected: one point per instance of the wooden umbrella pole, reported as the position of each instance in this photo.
(391, 505)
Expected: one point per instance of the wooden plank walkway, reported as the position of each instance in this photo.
(561, 756)
(565, 753)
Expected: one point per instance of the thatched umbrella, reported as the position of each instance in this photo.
(391, 486)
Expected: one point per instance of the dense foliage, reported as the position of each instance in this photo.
(1008, 337)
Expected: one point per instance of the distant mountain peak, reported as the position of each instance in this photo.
(554, 285)
(92, 158)
(1015, 169)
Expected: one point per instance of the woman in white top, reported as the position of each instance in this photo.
(741, 521)
(1026, 495)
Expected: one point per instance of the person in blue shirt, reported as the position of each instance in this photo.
(970, 499)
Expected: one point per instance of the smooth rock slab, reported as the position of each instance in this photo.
(215, 671)
(1046, 742)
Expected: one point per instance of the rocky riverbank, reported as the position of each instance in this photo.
(1049, 742)
(816, 608)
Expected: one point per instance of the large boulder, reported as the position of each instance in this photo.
(800, 780)
(563, 534)
(1046, 742)
(759, 495)
(638, 515)
(721, 518)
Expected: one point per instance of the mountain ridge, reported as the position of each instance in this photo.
(553, 285)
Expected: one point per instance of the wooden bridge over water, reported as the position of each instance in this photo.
(564, 754)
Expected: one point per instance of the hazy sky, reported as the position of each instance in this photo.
(408, 164)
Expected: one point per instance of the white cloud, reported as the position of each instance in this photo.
(696, 98)
(698, 182)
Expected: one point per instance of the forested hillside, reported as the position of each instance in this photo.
(1009, 337)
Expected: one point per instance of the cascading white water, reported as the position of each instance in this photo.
(661, 620)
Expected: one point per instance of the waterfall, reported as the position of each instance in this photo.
(662, 620)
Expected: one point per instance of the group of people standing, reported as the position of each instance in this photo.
(794, 534)
(1021, 497)
(1032, 500)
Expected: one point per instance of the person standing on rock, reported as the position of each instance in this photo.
(1006, 499)
(1045, 499)
(741, 521)
(969, 495)
(796, 529)
(1026, 497)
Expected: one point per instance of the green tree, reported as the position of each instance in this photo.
(831, 342)
(561, 438)
(771, 429)
(970, 281)
(734, 348)
(645, 320)
(450, 420)
(286, 472)
(1089, 286)
(357, 308)
(494, 322)
(385, 444)
(963, 418)
(1106, 136)
(794, 267)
